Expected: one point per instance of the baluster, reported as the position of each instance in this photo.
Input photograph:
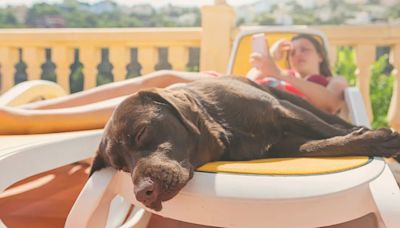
(147, 58)
(178, 57)
(365, 57)
(134, 67)
(34, 57)
(194, 59)
(63, 58)
(119, 58)
(8, 59)
(394, 109)
(89, 57)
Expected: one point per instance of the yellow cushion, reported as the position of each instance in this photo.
(286, 166)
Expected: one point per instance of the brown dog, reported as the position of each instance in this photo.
(160, 136)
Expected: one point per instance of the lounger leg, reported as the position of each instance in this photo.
(119, 210)
(386, 195)
(99, 206)
(92, 206)
(139, 218)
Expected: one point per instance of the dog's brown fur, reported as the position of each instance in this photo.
(160, 136)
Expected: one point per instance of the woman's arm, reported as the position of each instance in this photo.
(329, 99)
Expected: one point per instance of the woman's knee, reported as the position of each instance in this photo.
(339, 82)
(164, 78)
(178, 76)
(165, 73)
(338, 85)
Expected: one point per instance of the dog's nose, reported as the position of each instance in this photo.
(147, 191)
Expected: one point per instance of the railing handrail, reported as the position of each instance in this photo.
(362, 34)
(98, 35)
(353, 34)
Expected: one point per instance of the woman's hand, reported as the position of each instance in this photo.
(279, 48)
(264, 65)
(254, 74)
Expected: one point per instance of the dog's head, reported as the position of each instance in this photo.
(151, 136)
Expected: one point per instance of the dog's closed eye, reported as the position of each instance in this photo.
(139, 136)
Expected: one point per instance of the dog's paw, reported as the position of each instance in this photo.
(359, 130)
(384, 141)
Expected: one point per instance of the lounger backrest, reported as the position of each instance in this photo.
(354, 111)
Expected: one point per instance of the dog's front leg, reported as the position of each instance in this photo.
(382, 142)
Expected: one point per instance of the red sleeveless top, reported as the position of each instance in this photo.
(270, 81)
(283, 85)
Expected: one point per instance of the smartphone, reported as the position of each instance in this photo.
(258, 43)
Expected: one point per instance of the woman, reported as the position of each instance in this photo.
(310, 72)
(91, 109)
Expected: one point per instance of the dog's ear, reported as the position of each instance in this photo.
(98, 163)
(180, 109)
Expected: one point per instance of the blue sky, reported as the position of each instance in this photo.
(132, 2)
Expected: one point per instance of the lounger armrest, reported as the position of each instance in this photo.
(17, 163)
(356, 107)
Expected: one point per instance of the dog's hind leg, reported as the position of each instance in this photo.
(300, 121)
(327, 117)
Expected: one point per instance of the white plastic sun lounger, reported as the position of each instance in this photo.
(245, 200)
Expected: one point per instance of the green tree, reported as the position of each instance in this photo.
(393, 12)
(37, 11)
(381, 88)
(8, 19)
(381, 85)
(265, 19)
(345, 65)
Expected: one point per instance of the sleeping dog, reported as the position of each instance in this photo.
(161, 135)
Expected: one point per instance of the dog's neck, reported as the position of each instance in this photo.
(213, 141)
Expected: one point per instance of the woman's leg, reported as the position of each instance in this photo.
(86, 110)
(91, 116)
(159, 79)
